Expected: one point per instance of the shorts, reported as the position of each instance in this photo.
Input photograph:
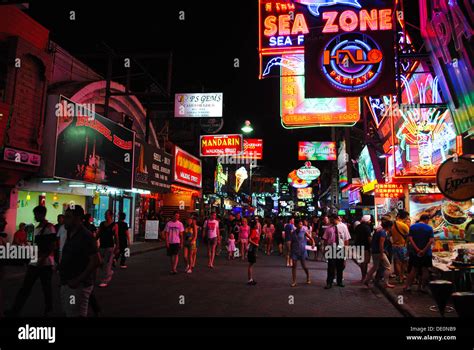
(400, 253)
(252, 256)
(420, 261)
(244, 240)
(212, 241)
(190, 246)
(173, 249)
(278, 240)
(381, 260)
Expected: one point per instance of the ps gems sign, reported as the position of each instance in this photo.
(308, 172)
(455, 179)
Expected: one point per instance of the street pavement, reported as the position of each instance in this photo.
(146, 289)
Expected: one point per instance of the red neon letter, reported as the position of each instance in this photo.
(348, 21)
(385, 17)
(284, 24)
(366, 19)
(330, 27)
(270, 26)
(299, 26)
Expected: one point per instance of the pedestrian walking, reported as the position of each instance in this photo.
(190, 246)
(254, 240)
(244, 238)
(336, 238)
(363, 234)
(78, 264)
(278, 236)
(123, 240)
(289, 228)
(421, 237)
(42, 269)
(212, 233)
(108, 242)
(174, 231)
(380, 255)
(400, 232)
(269, 231)
(299, 240)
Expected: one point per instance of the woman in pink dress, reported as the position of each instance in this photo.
(244, 238)
(268, 231)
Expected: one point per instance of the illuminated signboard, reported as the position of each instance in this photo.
(220, 178)
(342, 159)
(295, 181)
(367, 171)
(187, 168)
(389, 190)
(282, 26)
(253, 149)
(447, 30)
(352, 49)
(422, 137)
(298, 111)
(241, 175)
(198, 105)
(304, 193)
(221, 145)
(308, 172)
(317, 151)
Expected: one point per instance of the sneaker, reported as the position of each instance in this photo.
(388, 285)
(123, 266)
(342, 285)
(328, 286)
(189, 271)
(103, 285)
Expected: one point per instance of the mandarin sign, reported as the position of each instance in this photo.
(221, 145)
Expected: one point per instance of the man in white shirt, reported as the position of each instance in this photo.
(336, 237)
(45, 239)
(174, 231)
(211, 230)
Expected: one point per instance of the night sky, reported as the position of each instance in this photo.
(204, 46)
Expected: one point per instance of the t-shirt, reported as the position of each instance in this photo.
(362, 235)
(376, 240)
(49, 231)
(211, 227)
(20, 238)
(75, 257)
(269, 230)
(399, 230)
(421, 234)
(289, 228)
(244, 232)
(330, 234)
(254, 237)
(122, 229)
(107, 234)
(173, 230)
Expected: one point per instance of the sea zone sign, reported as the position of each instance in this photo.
(221, 145)
(352, 49)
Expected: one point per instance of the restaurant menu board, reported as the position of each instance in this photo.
(448, 218)
(152, 228)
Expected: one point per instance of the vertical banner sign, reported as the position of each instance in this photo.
(187, 168)
(152, 168)
(351, 50)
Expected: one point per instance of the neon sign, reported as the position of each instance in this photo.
(353, 49)
(314, 5)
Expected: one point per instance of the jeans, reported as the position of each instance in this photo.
(76, 301)
(107, 255)
(44, 273)
(335, 269)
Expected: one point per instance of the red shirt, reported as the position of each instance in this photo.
(20, 238)
(254, 237)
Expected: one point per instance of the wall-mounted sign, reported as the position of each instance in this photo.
(342, 160)
(95, 150)
(455, 179)
(352, 50)
(253, 149)
(367, 173)
(203, 105)
(240, 176)
(447, 30)
(221, 145)
(389, 190)
(304, 193)
(220, 178)
(21, 157)
(211, 125)
(308, 172)
(153, 169)
(297, 111)
(317, 151)
(187, 168)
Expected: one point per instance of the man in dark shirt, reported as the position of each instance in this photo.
(362, 234)
(79, 262)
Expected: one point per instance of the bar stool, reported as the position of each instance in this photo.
(441, 291)
(464, 303)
